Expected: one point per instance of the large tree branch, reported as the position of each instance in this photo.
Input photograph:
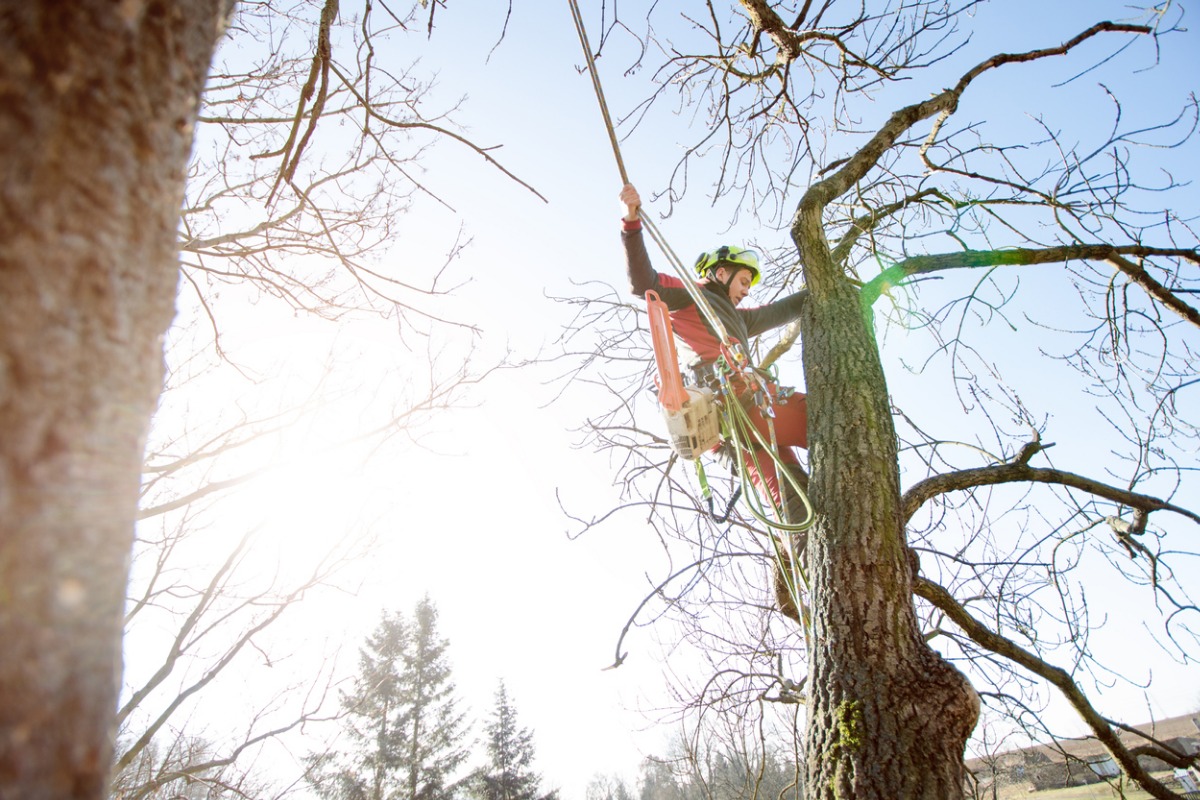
(1018, 470)
(185, 500)
(1022, 256)
(179, 644)
(1056, 676)
(277, 606)
(789, 42)
(867, 222)
(197, 771)
(942, 104)
(322, 59)
(790, 334)
(1137, 273)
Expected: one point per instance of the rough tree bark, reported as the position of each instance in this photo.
(888, 716)
(97, 103)
(798, 91)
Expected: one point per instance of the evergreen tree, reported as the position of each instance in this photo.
(430, 730)
(508, 774)
(608, 787)
(402, 727)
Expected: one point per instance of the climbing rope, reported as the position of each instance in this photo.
(587, 52)
(737, 423)
(727, 342)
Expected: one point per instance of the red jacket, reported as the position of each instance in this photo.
(698, 343)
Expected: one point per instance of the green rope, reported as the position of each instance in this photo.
(741, 432)
(706, 494)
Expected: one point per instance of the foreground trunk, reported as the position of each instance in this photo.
(97, 103)
(887, 716)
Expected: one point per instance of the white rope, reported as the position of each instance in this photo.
(694, 291)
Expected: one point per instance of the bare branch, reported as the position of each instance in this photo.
(1019, 471)
(1020, 256)
(1061, 680)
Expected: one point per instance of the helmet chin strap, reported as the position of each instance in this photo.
(712, 276)
(727, 284)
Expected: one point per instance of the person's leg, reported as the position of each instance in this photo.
(791, 422)
(790, 429)
(760, 468)
(791, 544)
(762, 471)
(788, 547)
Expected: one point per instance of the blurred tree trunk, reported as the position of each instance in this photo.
(98, 102)
(888, 717)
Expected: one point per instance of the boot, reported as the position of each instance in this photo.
(783, 567)
(793, 544)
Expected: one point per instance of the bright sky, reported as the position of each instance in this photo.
(475, 519)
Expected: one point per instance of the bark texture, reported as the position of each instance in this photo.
(97, 105)
(888, 717)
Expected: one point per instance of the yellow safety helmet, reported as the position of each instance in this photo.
(725, 255)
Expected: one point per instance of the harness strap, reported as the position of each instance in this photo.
(707, 494)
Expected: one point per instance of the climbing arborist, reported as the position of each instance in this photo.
(726, 276)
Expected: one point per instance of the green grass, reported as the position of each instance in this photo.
(1097, 791)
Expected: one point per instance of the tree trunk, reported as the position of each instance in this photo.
(97, 104)
(887, 716)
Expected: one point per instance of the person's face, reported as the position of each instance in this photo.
(739, 287)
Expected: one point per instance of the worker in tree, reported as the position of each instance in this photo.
(726, 276)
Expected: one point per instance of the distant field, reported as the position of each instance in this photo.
(1099, 791)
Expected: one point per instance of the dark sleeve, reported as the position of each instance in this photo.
(643, 277)
(773, 315)
(637, 261)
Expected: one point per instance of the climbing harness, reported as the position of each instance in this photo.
(698, 417)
